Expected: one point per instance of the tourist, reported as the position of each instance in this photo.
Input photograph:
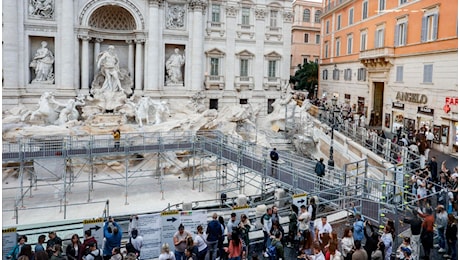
(220, 243)
(41, 255)
(275, 216)
(189, 254)
(244, 227)
(112, 235)
(378, 253)
(235, 247)
(312, 211)
(214, 233)
(333, 252)
(267, 226)
(320, 168)
(359, 253)
(57, 253)
(72, 249)
(441, 224)
(180, 241)
(39, 246)
(293, 224)
(358, 227)
(323, 230)
(306, 243)
(84, 249)
(429, 138)
(274, 158)
(317, 252)
(94, 252)
(347, 243)
(433, 168)
(232, 223)
(451, 237)
(371, 240)
(116, 254)
(387, 239)
(405, 244)
(200, 243)
(137, 241)
(166, 254)
(276, 227)
(26, 251)
(116, 137)
(304, 219)
(53, 240)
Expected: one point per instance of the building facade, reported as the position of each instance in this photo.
(229, 50)
(306, 33)
(395, 61)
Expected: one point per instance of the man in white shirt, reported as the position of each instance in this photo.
(323, 229)
(304, 219)
(429, 137)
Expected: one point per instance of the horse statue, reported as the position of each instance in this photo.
(161, 110)
(48, 108)
(142, 110)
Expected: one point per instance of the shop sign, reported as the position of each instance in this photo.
(398, 105)
(412, 97)
(452, 101)
(426, 111)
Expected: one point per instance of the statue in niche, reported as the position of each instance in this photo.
(111, 85)
(174, 67)
(175, 17)
(42, 8)
(42, 64)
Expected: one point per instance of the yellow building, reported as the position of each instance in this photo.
(306, 29)
(396, 62)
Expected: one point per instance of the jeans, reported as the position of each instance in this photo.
(235, 258)
(202, 254)
(179, 255)
(266, 236)
(453, 248)
(415, 245)
(442, 237)
(212, 250)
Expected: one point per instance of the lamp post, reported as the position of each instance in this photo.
(330, 162)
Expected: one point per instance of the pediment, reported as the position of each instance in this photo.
(273, 55)
(245, 53)
(215, 52)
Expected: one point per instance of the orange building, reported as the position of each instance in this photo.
(306, 29)
(395, 61)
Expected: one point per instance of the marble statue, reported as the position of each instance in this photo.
(175, 17)
(161, 111)
(43, 64)
(174, 67)
(70, 112)
(41, 8)
(48, 108)
(107, 62)
(142, 110)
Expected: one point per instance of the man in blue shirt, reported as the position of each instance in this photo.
(358, 228)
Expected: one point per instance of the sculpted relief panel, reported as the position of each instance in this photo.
(175, 16)
(41, 9)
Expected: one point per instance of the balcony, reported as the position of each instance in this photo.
(245, 29)
(214, 82)
(272, 82)
(215, 27)
(379, 57)
(242, 82)
(273, 32)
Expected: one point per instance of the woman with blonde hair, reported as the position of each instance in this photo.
(166, 254)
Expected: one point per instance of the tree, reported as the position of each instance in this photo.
(306, 77)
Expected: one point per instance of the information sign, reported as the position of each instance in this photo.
(97, 229)
(9, 240)
(299, 199)
(149, 227)
(170, 221)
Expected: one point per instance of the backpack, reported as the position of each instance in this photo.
(274, 156)
(272, 252)
(130, 248)
(262, 219)
(97, 257)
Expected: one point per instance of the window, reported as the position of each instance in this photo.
(213, 103)
(318, 39)
(351, 16)
(245, 11)
(272, 69)
(327, 26)
(379, 40)
(428, 73)
(336, 74)
(363, 44)
(361, 74)
(305, 60)
(429, 27)
(399, 73)
(306, 15)
(316, 60)
(243, 101)
(347, 75)
(401, 2)
(339, 21)
(326, 50)
(337, 47)
(349, 43)
(317, 16)
(364, 9)
(401, 33)
(214, 67)
(325, 74)
(215, 13)
(382, 5)
(305, 38)
(273, 18)
(244, 67)
(270, 108)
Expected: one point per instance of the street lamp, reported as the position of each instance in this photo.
(330, 162)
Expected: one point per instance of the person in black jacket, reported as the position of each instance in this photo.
(415, 228)
(451, 237)
(372, 240)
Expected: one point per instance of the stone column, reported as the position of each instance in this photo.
(138, 79)
(97, 50)
(153, 46)
(130, 57)
(84, 62)
(65, 70)
(198, 7)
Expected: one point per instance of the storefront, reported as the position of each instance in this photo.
(446, 134)
(397, 120)
(425, 118)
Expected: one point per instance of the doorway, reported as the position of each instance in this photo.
(378, 104)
